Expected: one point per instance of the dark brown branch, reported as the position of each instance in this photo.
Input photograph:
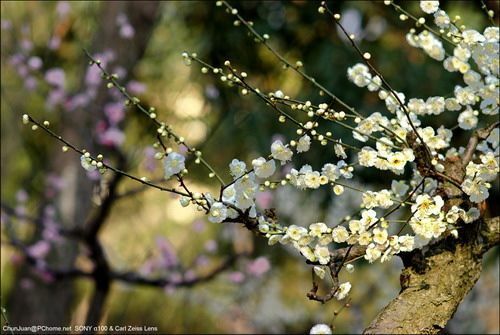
(479, 134)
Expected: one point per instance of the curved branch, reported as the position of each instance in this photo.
(480, 134)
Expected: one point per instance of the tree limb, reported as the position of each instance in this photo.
(480, 134)
(435, 281)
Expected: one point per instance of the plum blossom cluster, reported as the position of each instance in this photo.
(397, 142)
(479, 175)
(392, 151)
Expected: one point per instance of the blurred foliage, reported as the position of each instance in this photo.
(225, 125)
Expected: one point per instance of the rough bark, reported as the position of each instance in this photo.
(435, 280)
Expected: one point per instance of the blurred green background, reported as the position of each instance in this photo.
(147, 41)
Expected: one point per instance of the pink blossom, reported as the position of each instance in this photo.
(55, 77)
(6, 24)
(168, 252)
(93, 76)
(211, 246)
(93, 175)
(56, 97)
(77, 101)
(21, 196)
(112, 137)
(149, 162)
(35, 63)
(264, 199)
(16, 59)
(236, 277)
(175, 278)
(120, 71)
(44, 275)
(54, 43)
(30, 83)
(22, 71)
(182, 150)
(55, 182)
(258, 267)
(202, 260)
(114, 112)
(20, 210)
(127, 31)
(136, 87)
(39, 250)
(26, 45)
(189, 275)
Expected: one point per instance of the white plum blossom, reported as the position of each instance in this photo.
(322, 254)
(217, 213)
(281, 152)
(429, 6)
(304, 144)
(86, 163)
(173, 164)
(320, 329)
(317, 229)
(237, 168)
(340, 234)
(467, 119)
(343, 291)
(263, 168)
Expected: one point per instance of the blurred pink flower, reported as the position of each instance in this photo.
(189, 275)
(55, 77)
(258, 267)
(26, 45)
(236, 277)
(21, 196)
(30, 83)
(39, 250)
(127, 31)
(6, 24)
(168, 252)
(77, 101)
(149, 162)
(136, 87)
(54, 43)
(56, 97)
(114, 112)
(112, 137)
(93, 76)
(211, 246)
(35, 63)
(264, 199)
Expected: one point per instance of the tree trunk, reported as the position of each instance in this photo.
(435, 280)
(51, 303)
